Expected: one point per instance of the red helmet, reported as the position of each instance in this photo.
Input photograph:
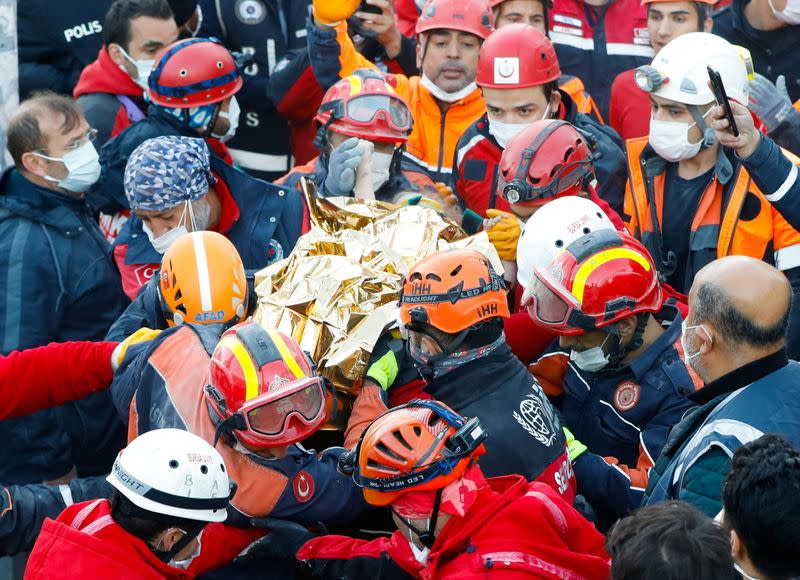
(262, 390)
(422, 445)
(473, 16)
(365, 105)
(546, 3)
(599, 279)
(516, 56)
(547, 159)
(194, 72)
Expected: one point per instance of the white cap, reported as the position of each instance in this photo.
(552, 228)
(173, 472)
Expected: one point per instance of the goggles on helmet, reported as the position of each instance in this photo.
(554, 307)
(362, 109)
(568, 176)
(268, 417)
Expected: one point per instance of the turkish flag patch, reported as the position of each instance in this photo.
(303, 486)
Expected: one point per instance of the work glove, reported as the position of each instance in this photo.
(504, 233)
(342, 167)
(576, 448)
(332, 12)
(282, 543)
(770, 102)
(390, 363)
(138, 337)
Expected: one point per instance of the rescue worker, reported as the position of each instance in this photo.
(597, 40)
(629, 113)
(423, 461)
(252, 394)
(173, 185)
(616, 378)
(534, 13)
(192, 93)
(689, 198)
(201, 280)
(771, 104)
(268, 32)
(452, 307)
(519, 90)
(735, 339)
(110, 91)
(445, 100)
(771, 32)
(359, 113)
(171, 492)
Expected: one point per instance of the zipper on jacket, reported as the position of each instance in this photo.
(441, 141)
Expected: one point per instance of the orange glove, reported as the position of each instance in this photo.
(446, 192)
(332, 12)
(504, 234)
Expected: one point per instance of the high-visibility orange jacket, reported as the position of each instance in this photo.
(732, 218)
(433, 141)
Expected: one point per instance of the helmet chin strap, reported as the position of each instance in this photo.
(427, 537)
(709, 137)
(618, 352)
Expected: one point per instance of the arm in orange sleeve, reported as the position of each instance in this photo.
(368, 405)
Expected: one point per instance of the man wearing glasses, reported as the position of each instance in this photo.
(59, 284)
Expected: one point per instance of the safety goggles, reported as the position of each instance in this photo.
(551, 305)
(268, 415)
(362, 110)
(569, 176)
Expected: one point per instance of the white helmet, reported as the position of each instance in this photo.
(173, 472)
(552, 228)
(678, 72)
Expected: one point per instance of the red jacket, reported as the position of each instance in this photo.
(104, 76)
(85, 542)
(629, 113)
(514, 530)
(49, 376)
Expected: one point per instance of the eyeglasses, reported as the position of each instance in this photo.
(89, 137)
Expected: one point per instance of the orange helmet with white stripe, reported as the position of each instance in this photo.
(202, 280)
(599, 279)
(262, 390)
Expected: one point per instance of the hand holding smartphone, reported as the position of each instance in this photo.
(722, 98)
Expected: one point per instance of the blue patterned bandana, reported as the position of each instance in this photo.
(165, 172)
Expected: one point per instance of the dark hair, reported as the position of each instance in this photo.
(714, 306)
(761, 497)
(142, 523)
(669, 541)
(702, 13)
(117, 25)
(24, 133)
(549, 89)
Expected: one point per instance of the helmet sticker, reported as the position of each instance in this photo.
(506, 70)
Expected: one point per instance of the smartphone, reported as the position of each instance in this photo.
(369, 8)
(722, 98)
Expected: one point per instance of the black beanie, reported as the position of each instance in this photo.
(182, 10)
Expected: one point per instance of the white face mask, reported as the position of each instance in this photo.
(421, 554)
(197, 219)
(233, 121)
(379, 170)
(444, 95)
(83, 167)
(143, 69)
(184, 564)
(686, 356)
(790, 13)
(505, 132)
(592, 359)
(670, 139)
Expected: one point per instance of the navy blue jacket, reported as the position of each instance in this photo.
(60, 283)
(777, 178)
(626, 414)
(266, 30)
(269, 223)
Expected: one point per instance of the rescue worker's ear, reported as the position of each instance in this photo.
(34, 164)
(115, 52)
(626, 328)
(555, 104)
(168, 538)
(420, 51)
(708, 24)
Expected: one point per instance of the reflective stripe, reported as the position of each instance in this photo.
(466, 148)
(788, 257)
(582, 275)
(98, 525)
(66, 495)
(302, 33)
(286, 355)
(421, 163)
(620, 417)
(260, 161)
(248, 368)
(13, 297)
(203, 279)
(572, 40)
(785, 187)
(618, 48)
(81, 516)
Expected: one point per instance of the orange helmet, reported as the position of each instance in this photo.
(451, 291)
(597, 280)
(472, 16)
(422, 445)
(262, 389)
(202, 280)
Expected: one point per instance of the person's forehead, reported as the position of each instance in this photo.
(667, 8)
(521, 7)
(446, 34)
(146, 29)
(150, 213)
(52, 127)
(667, 103)
(513, 98)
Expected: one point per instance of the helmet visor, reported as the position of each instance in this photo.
(364, 108)
(268, 416)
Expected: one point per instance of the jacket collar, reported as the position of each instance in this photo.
(644, 362)
(741, 377)
(22, 197)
